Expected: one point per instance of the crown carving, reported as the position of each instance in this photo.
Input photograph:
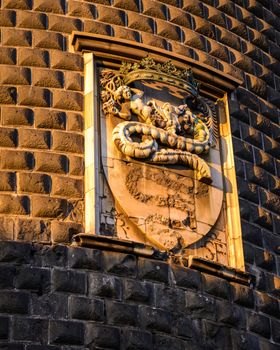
(148, 69)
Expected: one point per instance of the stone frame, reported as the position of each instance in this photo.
(213, 84)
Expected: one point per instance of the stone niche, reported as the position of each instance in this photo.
(159, 162)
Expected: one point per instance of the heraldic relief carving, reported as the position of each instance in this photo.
(161, 180)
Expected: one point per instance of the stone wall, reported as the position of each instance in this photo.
(41, 162)
(79, 298)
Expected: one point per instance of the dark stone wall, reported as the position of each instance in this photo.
(41, 182)
(79, 298)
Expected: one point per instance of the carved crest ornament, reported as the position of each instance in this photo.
(160, 156)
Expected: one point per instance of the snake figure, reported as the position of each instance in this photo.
(164, 134)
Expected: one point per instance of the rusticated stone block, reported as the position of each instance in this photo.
(251, 233)
(259, 324)
(16, 37)
(193, 6)
(200, 306)
(137, 291)
(66, 332)
(36, 279)
(97, 27)
(56, 6)
(226, 7)
(214, 15)
(104, 286)
(170, 299)
(8, 95)
(64, 25)
(244, 340)
(67, 187)
(154, 319)
(181, 49)
(275, 132)
(131, 5)
(168, 30)
(44, 305)
(261, 217)
(8, 137)
(14, 302)
(153, 270)
(267, 304)
(30, 138)
(7, 228)
(7, 18)
(121, 314)
(83, 258)
(7, 181)
(73, 81)
(47, 78)
(140, 22)
(75, 122)
(33, 230)
(271, 146)
(33, 96)
(186, 278)
(51, 162)
(264, 259)
(32, 182)
(18, 205)
(66, 60)
(244, 207)
(261, 123)
(135, 338)
(14, 75)
(102, 336)
(216, 286)
(125, 33)
(81, 9)
(270, 200)
(76, 166)
(193, 39)
(68, 100)
(237, 27)
(217, 50)
(17, 4)
(256, 85)
(204, 27)
(230, 314)
(164, 342)
(247, 190)
(47, 40)
(69, 281)
(239, 167)
(238, 111)
(7, 55)
(86, 309)
(120, 264)
(62, 232)
(49, 119)
(50, 256)
(17, 116)
(31, 20)
(258, 39)
(269, 111)
(274, 184)
(110, 15)
(16, 160)
(33, 57)
(15, 252)
(251, 135)
(248, 99)
(153, 40)
(154, 9)
(242, 295)
(264, 160)
(180, 17)
(68, 142)
(48, 207)
(271, 242)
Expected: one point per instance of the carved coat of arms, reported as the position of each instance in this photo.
(160, 156)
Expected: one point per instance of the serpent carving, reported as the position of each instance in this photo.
(164, 134)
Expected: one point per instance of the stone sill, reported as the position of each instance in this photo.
(143, 250)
